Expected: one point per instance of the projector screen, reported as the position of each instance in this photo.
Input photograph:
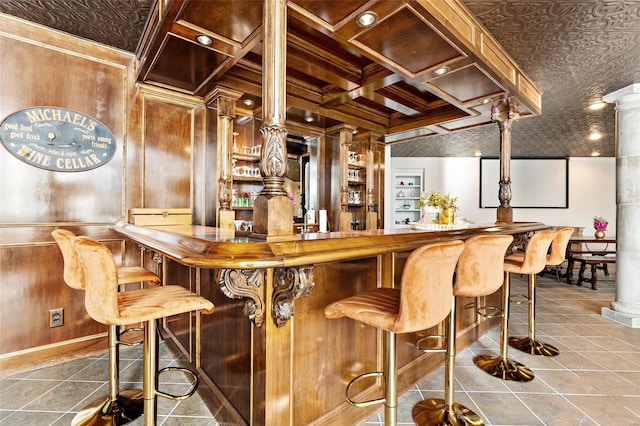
(541, 183)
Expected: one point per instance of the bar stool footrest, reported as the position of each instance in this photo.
(519, 299)
(357, 379)
(490, 311)
(439, 337)
(433, 412)
(130, 330)
(191, 391)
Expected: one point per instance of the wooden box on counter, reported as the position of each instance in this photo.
(155, 217)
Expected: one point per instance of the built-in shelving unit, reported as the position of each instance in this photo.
(407, 185)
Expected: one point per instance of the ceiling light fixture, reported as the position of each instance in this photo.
(597, 105)
(204, 40)
(441, 70)
(308, 119)
(595, 154)
(367, 19)
(595, 136)
(248, 102)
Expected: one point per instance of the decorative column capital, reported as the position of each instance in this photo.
(625, 98)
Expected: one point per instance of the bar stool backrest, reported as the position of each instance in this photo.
(535, 254)
(101, 277)
(73, 274)
(426, 286)
(559, 247)
(480, 269)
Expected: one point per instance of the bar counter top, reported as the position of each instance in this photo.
(209, 247)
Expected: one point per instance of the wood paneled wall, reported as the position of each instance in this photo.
(161, 143)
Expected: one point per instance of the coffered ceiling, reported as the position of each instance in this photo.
(575, 51)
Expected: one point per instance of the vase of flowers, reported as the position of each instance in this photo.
(600, 225)
(437, 207)
(449, 207)
(429, 203)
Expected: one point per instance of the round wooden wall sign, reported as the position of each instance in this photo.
(57, 139)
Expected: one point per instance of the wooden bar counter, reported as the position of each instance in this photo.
(267, 356)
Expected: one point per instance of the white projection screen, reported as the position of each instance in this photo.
(541, 183)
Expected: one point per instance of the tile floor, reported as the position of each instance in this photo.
(594, 381)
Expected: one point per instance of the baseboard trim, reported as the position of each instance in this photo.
(43, 356)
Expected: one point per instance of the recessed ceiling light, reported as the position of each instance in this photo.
(441, 70)
(597, 105)
(248, 102)
(204, 40)
(595, 136)
(367, 19)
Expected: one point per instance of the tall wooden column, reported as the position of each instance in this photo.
(273, 210)
(225, 103)
(346, 137)
(505, 113)
(372, 215)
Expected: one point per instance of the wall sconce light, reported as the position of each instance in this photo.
(204, 40)
(595, 154)
(367, 19)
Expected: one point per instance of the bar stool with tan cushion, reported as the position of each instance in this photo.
(106, 305)
(422, 301)
(555, 257)
(479, 273)
(119, 407)
(532, 262)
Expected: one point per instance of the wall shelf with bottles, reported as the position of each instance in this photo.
(245, 167)
(357, 182)
(408, 184)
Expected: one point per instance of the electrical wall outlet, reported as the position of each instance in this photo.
(56, 317)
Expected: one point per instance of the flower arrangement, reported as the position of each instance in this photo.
(436, 199)
(600, 224)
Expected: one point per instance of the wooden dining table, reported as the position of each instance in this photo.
(589, 250)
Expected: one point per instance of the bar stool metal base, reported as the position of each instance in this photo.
(533, 347)
(433, 412)
(104, 412)
(503, 368)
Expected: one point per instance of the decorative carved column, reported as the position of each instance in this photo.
(505, 113)
(626, 308)
(273, 210)
(346, 137)
(225, 103)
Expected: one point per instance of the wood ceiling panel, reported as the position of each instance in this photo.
(231, 19)
(467, 84)
(183, 64)
(331, 12)
(407, 41)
